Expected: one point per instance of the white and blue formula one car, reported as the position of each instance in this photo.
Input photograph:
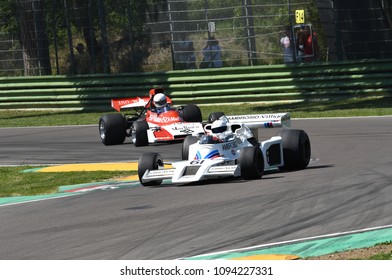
(228, 148)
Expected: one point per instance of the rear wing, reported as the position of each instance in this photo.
(262, 120)
(133, 102)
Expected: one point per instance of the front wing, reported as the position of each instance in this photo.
(193, 171)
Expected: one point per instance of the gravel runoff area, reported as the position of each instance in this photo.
(363, 253)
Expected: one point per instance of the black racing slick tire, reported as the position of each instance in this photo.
(214, 116)
(191, 113)
(149, 161)
(251, 163)
(296, 149)
(139, 133)
(189, 140)
(112, 129)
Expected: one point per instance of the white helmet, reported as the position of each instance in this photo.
(219, 125)
(160, 100)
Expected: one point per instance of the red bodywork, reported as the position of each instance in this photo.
(134, 102)
(160, 120)
(167, 117)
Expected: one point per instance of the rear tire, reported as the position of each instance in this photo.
(192, 113)
(189, 140)
(112, 129)
(251, 163)
(139, 133)
(215, 116)
(296, 149)
(149, 161)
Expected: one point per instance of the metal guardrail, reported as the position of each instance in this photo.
(272, 83)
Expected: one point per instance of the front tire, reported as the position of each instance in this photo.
(296, 149)
(191, 113)
(112, 129)
(139, 133)
(149, 161)
(189, 140)
(251, 163)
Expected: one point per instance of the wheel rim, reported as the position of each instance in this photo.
(158, 163)
(102, 130)
(133, 134)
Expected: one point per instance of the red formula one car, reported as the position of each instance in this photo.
(154, 120)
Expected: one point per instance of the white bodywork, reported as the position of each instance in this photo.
(262, 120)
(216, 160)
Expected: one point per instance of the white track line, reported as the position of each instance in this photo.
(292, 241)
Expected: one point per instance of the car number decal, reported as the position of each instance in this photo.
(186, 131)
(197, 162)
(229, 146)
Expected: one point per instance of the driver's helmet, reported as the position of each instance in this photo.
(160, 100)
(219, 126)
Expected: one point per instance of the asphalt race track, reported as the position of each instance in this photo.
(347, 187)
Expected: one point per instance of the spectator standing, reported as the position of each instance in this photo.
(212, 54)
(310, 45)
(185, 55)
(300, 47)
(80, 63)
(285, 44)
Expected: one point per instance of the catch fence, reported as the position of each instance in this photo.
(67, 37)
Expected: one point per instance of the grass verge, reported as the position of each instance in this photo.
(333, 108)
(15, 182)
